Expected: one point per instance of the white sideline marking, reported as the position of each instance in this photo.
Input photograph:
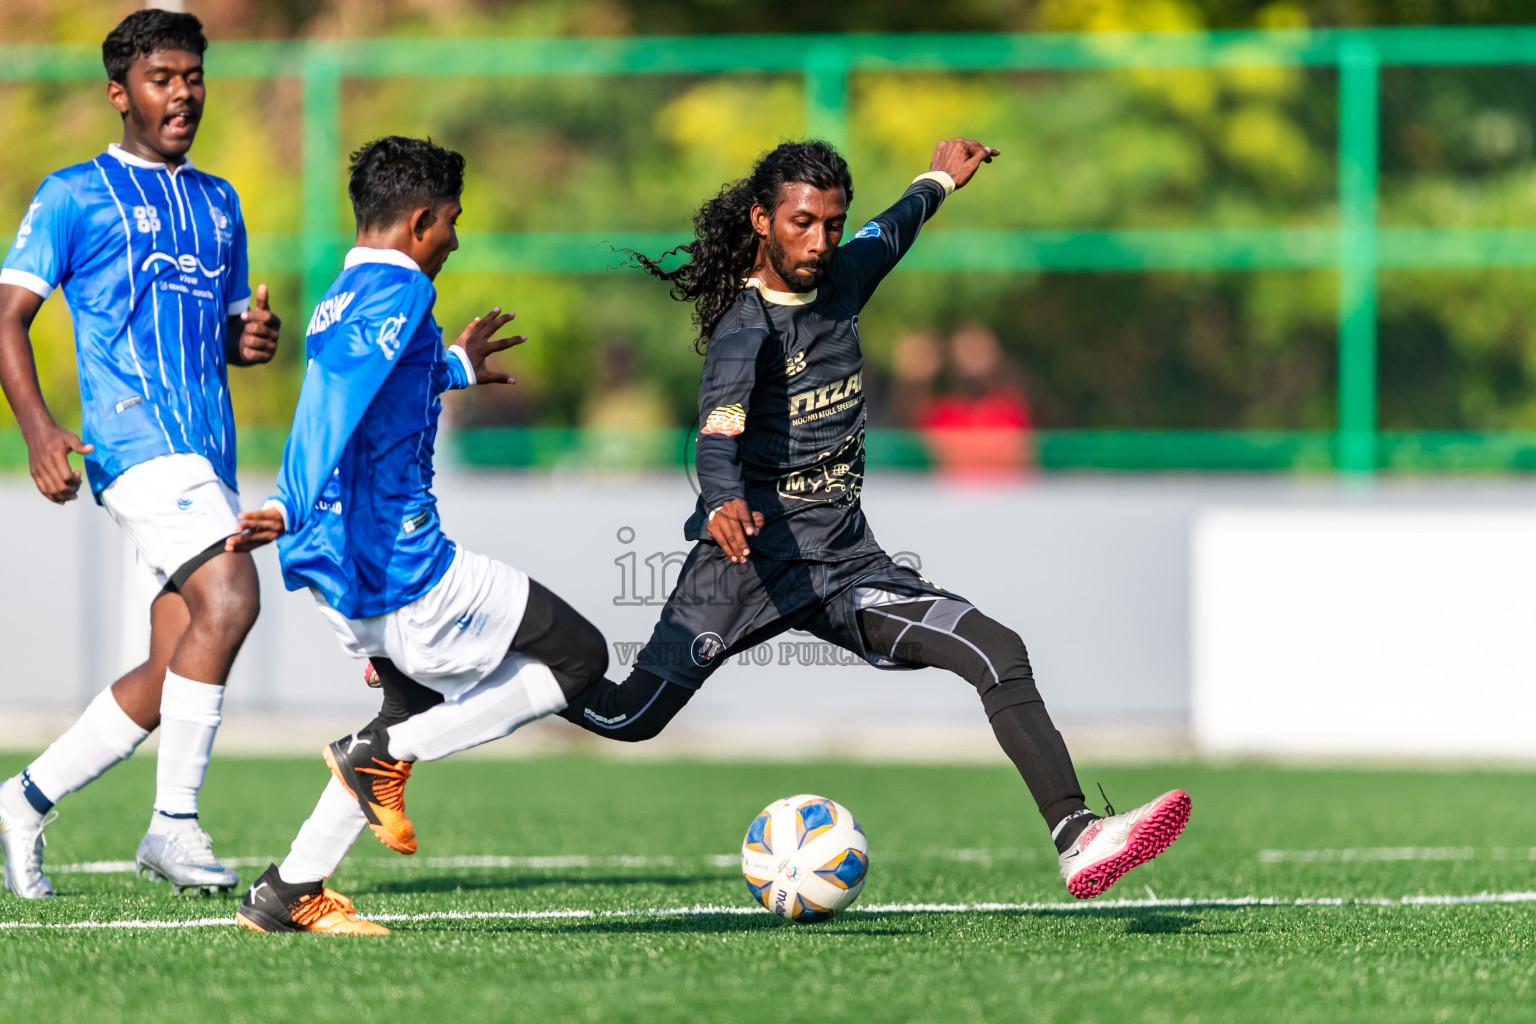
(706, 910)
(730, 860)
(717, 860)
(1384, 853)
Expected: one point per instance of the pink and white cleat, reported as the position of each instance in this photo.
(1111, 846)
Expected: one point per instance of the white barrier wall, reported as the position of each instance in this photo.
(1365, 632)
(1091, 575)
(1325, 618)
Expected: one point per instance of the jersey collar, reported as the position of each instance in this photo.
(363, 254)
(114, 150)
(781, 298)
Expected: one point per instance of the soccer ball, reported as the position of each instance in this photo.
(805, 858)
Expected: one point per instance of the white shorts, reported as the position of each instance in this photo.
(452, 636)
(173, 508)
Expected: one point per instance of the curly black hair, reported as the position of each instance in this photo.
(725, 246)
(394, 175)
(149, 31)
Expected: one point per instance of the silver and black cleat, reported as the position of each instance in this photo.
(184, 859)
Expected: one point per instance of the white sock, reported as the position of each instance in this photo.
(190, 713)
(515, 693)
(325, 838)
(102, 736)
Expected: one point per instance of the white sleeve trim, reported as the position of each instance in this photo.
(31, 282)
(463, 357)
(942, 177)
(239, 306)
(281, 508)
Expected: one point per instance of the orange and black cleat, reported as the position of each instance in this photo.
(273, 905)
(362, 764)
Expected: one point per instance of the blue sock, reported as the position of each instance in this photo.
(36, 797)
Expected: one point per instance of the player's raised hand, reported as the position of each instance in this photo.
(479, 341)
(262, 526)
(258, 338)
(48, 459)
(731, 524)
(959, 158)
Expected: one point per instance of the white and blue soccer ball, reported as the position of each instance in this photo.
(805, 858)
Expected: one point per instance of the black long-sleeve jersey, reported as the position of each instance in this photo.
(781, 398)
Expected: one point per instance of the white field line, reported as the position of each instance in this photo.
(708, 910)
(1389, 853)
(717, 860)
(730, 860)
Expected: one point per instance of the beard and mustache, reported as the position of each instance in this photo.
(790, 272)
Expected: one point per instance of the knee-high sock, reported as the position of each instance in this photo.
(324, 838)
(951, 634)
(518, 691)
(102, 736)
(190, 713)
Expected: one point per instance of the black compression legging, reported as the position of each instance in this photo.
(551, 631)
(939, 632)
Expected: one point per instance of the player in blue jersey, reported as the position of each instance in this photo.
(150, 254)
(468, 649)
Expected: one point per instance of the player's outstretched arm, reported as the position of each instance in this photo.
(479, 341)
(959, 158)
(48, 444)
(879, 245)
(253, 334)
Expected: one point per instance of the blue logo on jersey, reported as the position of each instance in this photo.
(870, 230)
(184, 503)
(465, 621)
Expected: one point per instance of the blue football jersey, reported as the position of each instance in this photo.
(356, 481)
(152, 261)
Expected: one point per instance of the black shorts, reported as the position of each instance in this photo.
(720, 608)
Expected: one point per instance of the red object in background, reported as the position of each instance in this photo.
(986, 436)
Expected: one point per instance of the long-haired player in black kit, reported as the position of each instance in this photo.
(782, 542)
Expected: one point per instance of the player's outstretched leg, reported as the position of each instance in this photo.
(1111, 846)
(376, 779)
(375, 763)
(273, 905)
(944, 632)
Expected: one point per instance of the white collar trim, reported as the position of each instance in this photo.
(364, 254)
(114, 150)
(781, 298)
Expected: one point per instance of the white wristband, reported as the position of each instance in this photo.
(281, 508)
(463, 357)
(942, 177)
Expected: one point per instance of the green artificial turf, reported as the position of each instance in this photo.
(644, 836)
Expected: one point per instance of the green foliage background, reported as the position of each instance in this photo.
(1138, 149)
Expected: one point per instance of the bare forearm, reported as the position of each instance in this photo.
(18, 368)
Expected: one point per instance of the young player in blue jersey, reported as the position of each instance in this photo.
(150, 254)
(468, 649)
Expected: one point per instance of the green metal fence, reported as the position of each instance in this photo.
(1356, 246)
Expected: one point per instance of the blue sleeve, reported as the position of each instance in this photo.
(343, 377)
(725, 392)
(39, 259)
(460, 375)
(237, 296)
